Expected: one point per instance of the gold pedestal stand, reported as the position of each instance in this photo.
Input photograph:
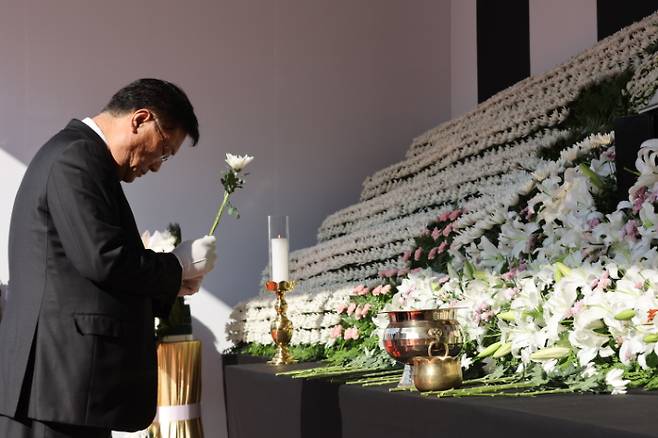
(281, 327)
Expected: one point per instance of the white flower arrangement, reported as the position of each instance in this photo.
(483, 161)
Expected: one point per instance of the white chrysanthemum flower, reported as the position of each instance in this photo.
(238, 162)
(616, 383)
(159, 241)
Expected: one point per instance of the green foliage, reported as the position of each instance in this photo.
(231, 181)
(302, 353)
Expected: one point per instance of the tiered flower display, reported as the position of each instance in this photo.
(507, 213)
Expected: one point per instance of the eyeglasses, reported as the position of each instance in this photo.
(165, 155)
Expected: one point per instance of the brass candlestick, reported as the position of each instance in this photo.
(281, 327)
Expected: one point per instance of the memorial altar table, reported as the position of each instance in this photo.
(261, 404)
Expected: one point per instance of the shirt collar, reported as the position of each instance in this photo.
(89, 122)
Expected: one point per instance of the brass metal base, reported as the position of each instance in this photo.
(282, 357)
(281, 328)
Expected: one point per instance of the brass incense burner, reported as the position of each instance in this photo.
(411, 332)
(433, 373)
(281, 328)
(429, 340)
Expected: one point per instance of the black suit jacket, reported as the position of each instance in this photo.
(83, 293)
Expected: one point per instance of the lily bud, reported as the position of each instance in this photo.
(550, 353)
(651, 338)
(591, 175)
(625, 315)
(491, 349)
(561, 270)
(480, 275)
(509, 316)
(503, 350)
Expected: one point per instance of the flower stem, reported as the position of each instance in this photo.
(219, 214)
(381, 382)
(465, 392)
(411, 388)
(489, 380)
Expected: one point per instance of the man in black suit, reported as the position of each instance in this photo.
(77, 350)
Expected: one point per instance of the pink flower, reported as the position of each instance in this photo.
(454, 214)
(436, 233)
(432, 253)
(442, 247)
(406, 256)
(336, 331)
(357, 313)
(385, 289)
(403, 272)
(376, 291)
(447, 230)
(575, 309)
(630, 229)
(425, 232)
(444, 216)
(509, 274)
(351, 308)
(366, 308)
(351, 333)
(418, 269)
(510, 293)
(600, 284)
(388, 273)
(593, 223)
(418, 254)
(640, 197)
(341, 308)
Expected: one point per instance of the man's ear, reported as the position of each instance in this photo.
(139, 117)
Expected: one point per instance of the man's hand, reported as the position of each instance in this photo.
(196, 257)
(190, 286)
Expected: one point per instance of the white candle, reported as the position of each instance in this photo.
(279, 259)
